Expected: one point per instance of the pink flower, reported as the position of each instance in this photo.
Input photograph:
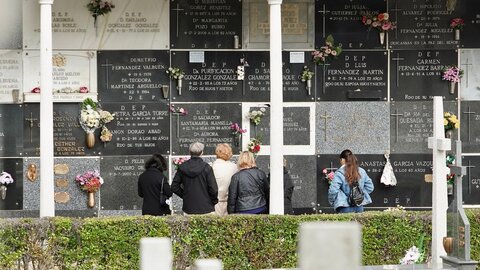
(83, 89)
(36, 90)
(324, 171)
(386, 26)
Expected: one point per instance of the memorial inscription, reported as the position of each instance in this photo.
(342, 19)
(471, 181)
(421, 24)
(137, 128)
(11, 76)
(132, 76)
(356, 75)
(411, 123)
(417, 75)
(121, 174)
(68, 136)
(293, 87)
(210, 76)
(205, 123)
(205, 24)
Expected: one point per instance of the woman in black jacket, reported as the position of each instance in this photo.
(150, 185)
(249, 188)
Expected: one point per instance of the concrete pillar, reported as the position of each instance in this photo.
(47, 204)
(276, 109)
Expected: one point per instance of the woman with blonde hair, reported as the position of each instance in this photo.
(249, 188)
(223, 169)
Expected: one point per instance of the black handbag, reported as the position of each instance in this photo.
(163, 198)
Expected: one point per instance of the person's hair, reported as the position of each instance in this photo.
(196, 149)
(246, 160)
(223, 151)
(351, 166)
(156, 161)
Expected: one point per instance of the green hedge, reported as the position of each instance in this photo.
(241, 242)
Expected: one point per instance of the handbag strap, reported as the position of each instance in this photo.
(161, 188)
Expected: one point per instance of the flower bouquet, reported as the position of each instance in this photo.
(237, 132)
(99, 7)
(328, 176)
(5, 179)
(241, 69)
(450, 122)
(457, 24)
(326, 53)
(307, 76)
(178, 110)
(90, 181)
(254, 146)
(416, 254)
(179, 161)
(255, 116)
(91, 118)
(176, 74)
(453, 75)
(380, 22)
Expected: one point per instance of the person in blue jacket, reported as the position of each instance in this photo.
(340, 187)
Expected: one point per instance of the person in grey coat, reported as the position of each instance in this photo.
(249, 189)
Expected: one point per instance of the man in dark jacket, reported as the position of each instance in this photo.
(195, 183)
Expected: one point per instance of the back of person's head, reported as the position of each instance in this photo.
(156, 161)
(351, 166)
(223, 151)
(246, 160)
(196, 149)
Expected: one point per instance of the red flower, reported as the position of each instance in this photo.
(381, 16)
(36, 90)
(256, 148)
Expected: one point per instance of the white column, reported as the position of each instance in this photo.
(439, 146)
(276, 109)
(47, 204)
(156, 253)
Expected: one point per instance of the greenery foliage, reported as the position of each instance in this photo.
(241, 242)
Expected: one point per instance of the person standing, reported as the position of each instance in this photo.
(195, 183)
(343, 180)
(249, 188)
(223, 169)
(150, 186)
(288, 188)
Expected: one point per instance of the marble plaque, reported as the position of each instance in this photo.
(11, 21)
(302, 171)
(11, 131)
(471, 181)
(205, 123)
(78, 198)
(140, 24)
(120, 191)
(138, 128)
(298, 24)
(470, 126)
(74, 75)
(363, 127)
(417, 75)
(15, 190)
(10, 76)
(342, 19)
(411, 123)
(293, 66)
(470, 83)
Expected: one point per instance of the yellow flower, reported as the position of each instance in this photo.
(453, 116)
(452, 119)
(445, 122)
(457, 124)
(447, 114)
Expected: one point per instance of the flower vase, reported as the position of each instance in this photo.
(236, 140)
(449, 189)
(90, 139)
(382, 37)
(179, 86)
(3, 192)
(451, 5)
(452, 87)
(165, 91)
(309, 86)
(91, 199)
(457, 34)
(449, 133)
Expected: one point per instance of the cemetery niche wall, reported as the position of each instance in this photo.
(373, 97)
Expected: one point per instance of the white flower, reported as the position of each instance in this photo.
(5, 178)
(413, 254)
(263, 110)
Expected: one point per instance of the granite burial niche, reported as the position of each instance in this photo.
(11, 131)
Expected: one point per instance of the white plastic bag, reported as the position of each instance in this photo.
(388, 176)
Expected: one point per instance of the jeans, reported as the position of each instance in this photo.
(351, 209)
